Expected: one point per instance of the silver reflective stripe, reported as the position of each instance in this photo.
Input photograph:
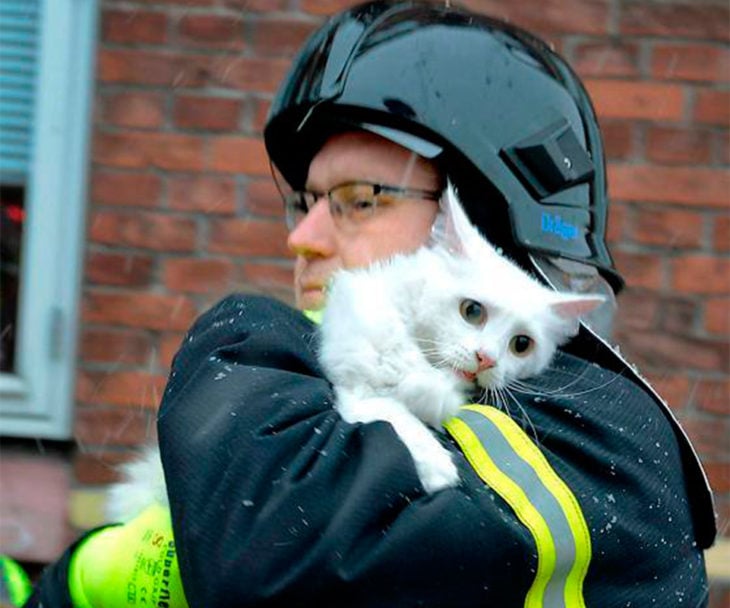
(512, 465)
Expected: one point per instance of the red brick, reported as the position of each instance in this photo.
(141, 150)
(640, 269)
(249, 74)
(673, 185)
(713, 396)
(126, 388)
(198, 275)
(280, 37)
(133, 26)
(701, 274)
(248, 238)
(239, 155)
(133, 109)
(326, 7)
(96, 467)
(263, 198)
(618, 138)
(691, 62)
(169, 345)
(673, 388)
(209, 113)
(688, 19)
(280, 275)
(719, 593)
(125, 269)
(709, 435)
(669, 228)
(112, 426)
(617, 219)
(163, 68)
(675, 146)
(275, 280)
(210, 195)
(113, 346)
(717, 316)
(637, 100)
(722, 146)
(143, 229)
(263, 6)
(713, 107)
(678, 316)
(719, 474)
(661, 351)
(721, 233)
(638, 308)
(550, 16)
(212, 31)
(129, 189)
(260, 114)
(600, 59)
(138, 309)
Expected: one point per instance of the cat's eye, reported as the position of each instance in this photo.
(473, 312)
(521, 345)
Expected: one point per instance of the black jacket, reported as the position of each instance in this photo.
(278, 502)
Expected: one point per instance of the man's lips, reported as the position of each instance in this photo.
(311, 287)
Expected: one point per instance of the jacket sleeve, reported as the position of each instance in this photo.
(276, 501)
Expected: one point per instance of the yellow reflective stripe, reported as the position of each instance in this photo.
(315, 316)
(516, 498)
(509, 462)
(531, 454)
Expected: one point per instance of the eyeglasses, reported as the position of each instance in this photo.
(350, 203)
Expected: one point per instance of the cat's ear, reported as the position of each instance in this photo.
(569, 306)
(454, 230)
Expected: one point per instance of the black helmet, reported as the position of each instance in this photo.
(506, 117)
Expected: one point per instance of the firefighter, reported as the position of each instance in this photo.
(590, 494)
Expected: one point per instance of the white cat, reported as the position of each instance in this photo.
(407, 340)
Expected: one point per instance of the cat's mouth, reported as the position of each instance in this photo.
(467, 375)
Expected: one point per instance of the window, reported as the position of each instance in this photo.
(46, 70)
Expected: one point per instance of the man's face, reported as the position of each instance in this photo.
(322, 247)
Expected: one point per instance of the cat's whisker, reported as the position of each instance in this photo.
(524, 387)
(591, 389)
(526, 416)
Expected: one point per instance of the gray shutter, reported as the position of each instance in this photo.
(19, 41)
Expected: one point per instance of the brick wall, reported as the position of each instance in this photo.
(182, 209)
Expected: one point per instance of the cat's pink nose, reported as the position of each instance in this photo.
(484, 361)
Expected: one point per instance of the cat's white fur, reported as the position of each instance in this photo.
(143, 484)
(397, 349)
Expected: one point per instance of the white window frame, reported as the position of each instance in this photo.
(38, 399)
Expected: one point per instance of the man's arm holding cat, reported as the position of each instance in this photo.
(313, 508)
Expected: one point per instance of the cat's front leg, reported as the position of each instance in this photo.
(433, 463)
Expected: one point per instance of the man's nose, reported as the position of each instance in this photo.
(314, 234)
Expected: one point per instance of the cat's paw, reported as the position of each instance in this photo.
(437, 471)
(431, 396)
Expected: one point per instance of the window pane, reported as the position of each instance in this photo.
(12, 215)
